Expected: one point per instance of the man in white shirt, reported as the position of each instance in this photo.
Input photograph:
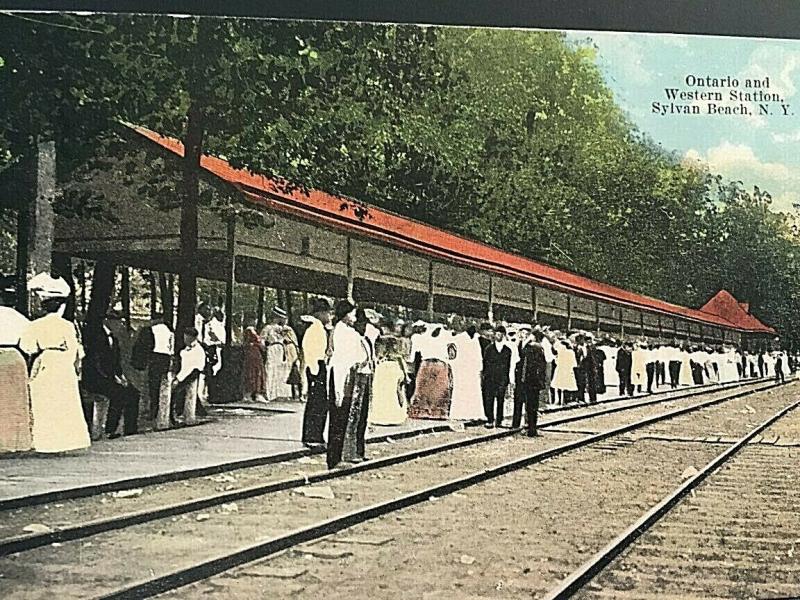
(192, 362)
(153, 351)
(315, 353)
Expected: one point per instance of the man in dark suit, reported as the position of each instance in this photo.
(519, 399)
(103, 374)
(588, 365)
(532, 365)
(496, 367)
(624, 364)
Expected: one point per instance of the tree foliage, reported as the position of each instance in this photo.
(510, 137)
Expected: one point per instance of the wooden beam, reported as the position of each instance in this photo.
(350, 270)
(430, 290)
(569, 313)
(230, 282)
(260, 309)
(597, 317)
(153, 294)
(641, 323)
(490, 312)
(125, 296)
(534, 304)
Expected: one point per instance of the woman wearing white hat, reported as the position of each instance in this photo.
(52, 343)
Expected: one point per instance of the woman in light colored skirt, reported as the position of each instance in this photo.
(58, 421)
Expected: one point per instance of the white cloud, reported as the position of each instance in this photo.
(738, 162)
(625, 52)
(788, 137)
(776, 62)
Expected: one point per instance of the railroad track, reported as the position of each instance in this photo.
(10, 544)
(730, 531)
(475, 469)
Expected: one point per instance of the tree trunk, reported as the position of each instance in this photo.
(167, 300)
(187, 291)
(102, 289)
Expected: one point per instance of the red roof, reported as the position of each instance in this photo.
(723, 304)
(399, 231)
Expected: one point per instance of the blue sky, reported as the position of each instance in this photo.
(758, 150)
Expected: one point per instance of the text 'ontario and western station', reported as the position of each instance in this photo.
(722, 96)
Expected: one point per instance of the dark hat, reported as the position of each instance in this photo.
(500, 328)
(485, 326)
(319, 305)
(344, 308)
(192, 331)
(278, 312)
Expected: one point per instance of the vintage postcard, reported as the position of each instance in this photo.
(302, 309)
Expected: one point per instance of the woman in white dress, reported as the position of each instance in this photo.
(467, 403)
(564, 377)
(685, 375)
(58, 422)
(610, 375)
(638, 367)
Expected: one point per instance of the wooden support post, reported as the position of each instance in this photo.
(621, 324)
(702, 333)
(153, 294)
(230, 283)
(103, 281)
(82, 284)
(260, 309)
(430, 291)
(289, 307)
(660, 330)
(597, 317)
(490, 312)
(534, 304)
(641, 324)
(350, 270)
(569, 313)
(125, 296)
(23, 241)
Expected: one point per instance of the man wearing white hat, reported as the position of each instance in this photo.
(52, 343)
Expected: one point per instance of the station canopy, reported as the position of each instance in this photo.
(326, 244)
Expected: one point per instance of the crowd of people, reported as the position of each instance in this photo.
(353, 366)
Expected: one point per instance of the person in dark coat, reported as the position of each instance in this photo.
(519, 398)
(102, 374)
(589, 367)
(496, 367)
(532, 365)
(624, 364)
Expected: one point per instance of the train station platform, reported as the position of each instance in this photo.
(234, 435)
(246, 435)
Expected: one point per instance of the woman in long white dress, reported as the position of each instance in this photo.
(638, 367)
(610, 375)
(389, 403)
(685, 374)
(467, 403)
(564, 377)
(58, 422)
(277, 365)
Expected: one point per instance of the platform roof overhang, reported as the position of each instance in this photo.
(315, 234)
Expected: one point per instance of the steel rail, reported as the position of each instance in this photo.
(215, 566)
(24, 543)
(182, 475)
(592, 567)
